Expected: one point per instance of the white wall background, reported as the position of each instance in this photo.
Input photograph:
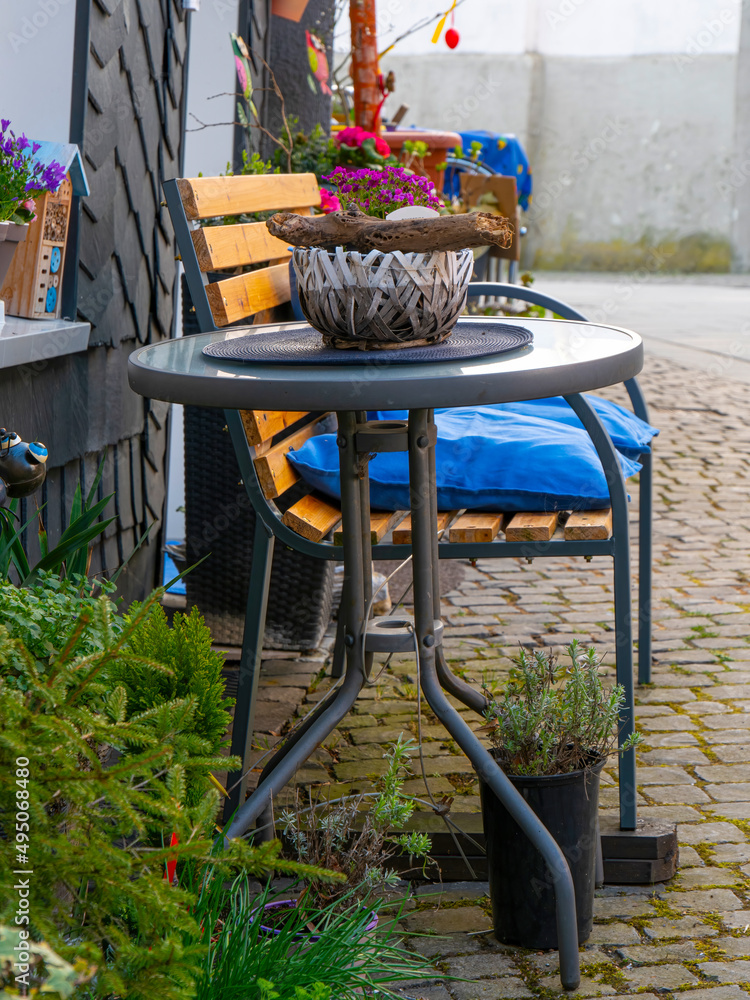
(36, 66)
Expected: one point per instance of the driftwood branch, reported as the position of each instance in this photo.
(357, 231)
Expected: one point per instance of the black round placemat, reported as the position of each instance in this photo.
(305, 347)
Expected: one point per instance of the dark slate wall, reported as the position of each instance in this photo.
(81, 406)
(290, 65)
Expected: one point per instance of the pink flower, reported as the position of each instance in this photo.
(382, 147)
(350, 136)
(329, 202)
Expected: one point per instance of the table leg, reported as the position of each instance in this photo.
(424, 545)
(357, 581)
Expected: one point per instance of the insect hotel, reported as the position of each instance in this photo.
(32, 286)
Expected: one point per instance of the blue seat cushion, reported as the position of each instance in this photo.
(487, 458)
(630, 435)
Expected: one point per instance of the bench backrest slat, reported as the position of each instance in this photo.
(236, 298)
(211, 197)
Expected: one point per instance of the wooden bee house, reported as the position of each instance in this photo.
(33, 285)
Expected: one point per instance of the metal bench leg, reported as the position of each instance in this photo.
(358, 571)
(424, 547)
(623, 608)
(252, 647)
(645, 556)
(338, 660)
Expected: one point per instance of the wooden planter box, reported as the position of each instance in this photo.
(32, 286)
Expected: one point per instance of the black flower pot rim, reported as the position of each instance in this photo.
(598, 762)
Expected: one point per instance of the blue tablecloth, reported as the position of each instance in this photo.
(502, 153)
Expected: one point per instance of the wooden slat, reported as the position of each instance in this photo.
(275, 473)
(381, 523)
(240, 297)
(472, 527)
(584, 525)
(312, 518)
(531, 527)
(402, 534)
(233, 246)
(261, 425)
(210, 197)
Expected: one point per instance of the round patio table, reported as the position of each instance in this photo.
(566, 358)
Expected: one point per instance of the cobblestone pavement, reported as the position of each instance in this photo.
(690, 934)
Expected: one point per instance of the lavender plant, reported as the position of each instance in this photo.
(344, 837)
(377, 191)
(21, 177)
(552, 718)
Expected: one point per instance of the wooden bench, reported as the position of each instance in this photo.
(262, 439)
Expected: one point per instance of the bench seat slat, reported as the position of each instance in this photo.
(381, 523)
(531, 527)
(210, 197)
(312, 517)
(402, 534)
(276, 473)
(246, 294)
(585, 525)
(473, 527)
(261, 425)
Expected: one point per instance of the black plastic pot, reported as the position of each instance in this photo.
(521, 888)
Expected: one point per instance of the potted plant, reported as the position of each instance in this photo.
(21, 179)
(346, 837)
(551, 730)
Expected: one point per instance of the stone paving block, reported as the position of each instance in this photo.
(587, 988)
(736, 920)
(729, 691)
(702, 707)
(462, 919)
(672, 755)
(694, 877)
(726, 972)
(730, 852)
(666, 740)
(709, 833)
(689, 857)
(354, 721)
(673, 680)
(667, 723)
(453, 891)
(621, 906)
(613, 934)
(668, 696)
(435, 991)
(490, 989)
(647, 954)
(670, 814)
(739, 792)
(729, 736)
(733, 720)
(547, 962)
(681, 794)
(723, 772)
(719, 993)
(378, 734)
(661, 977)
(438, 786)
(663, 928)
(736, 947)
(707, 900)
(481, 966)
(664, 775)
(733, 753)
(730, 810)
(433, 946)
(648, 711)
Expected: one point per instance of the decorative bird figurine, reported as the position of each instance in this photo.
(316, 55)
(22, 465)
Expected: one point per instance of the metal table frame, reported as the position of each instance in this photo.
(435, 677)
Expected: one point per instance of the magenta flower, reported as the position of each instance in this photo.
(329, 202)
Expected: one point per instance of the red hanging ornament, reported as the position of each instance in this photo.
(451, 38)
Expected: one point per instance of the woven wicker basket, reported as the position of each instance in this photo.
(382, 300)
